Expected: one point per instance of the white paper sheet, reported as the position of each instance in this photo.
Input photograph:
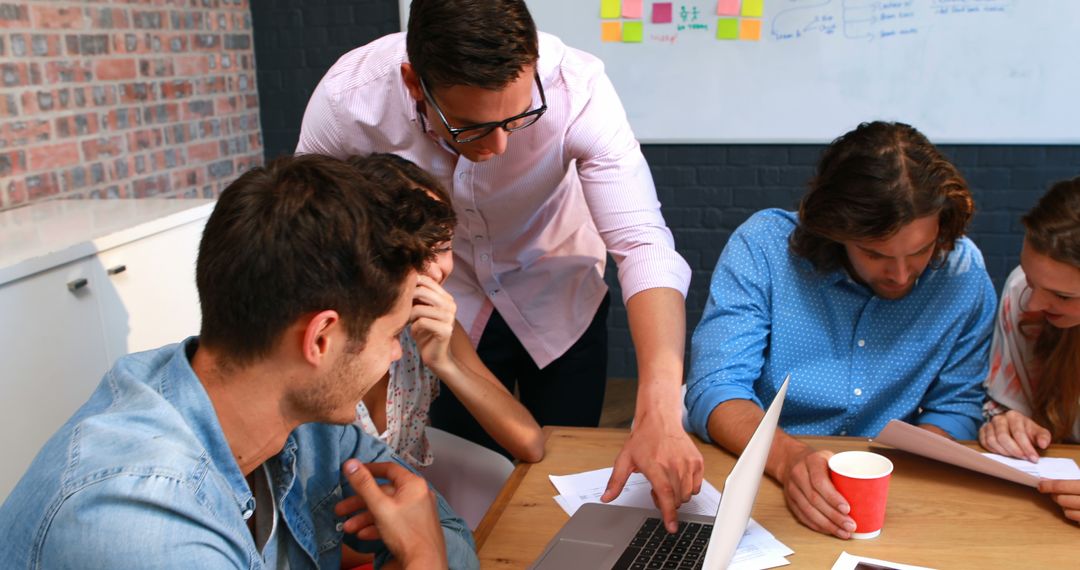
(587, 487)
(1046, 468)
(851, 562)
(754, 558)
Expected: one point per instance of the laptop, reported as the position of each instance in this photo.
(602, 536)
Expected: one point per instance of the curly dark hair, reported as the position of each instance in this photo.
(871, 182)
(479, 43)
(302, 234)
(415, 211)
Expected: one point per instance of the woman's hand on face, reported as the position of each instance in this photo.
(432, 317)
(1015, 435)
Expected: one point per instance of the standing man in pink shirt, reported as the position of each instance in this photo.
(547, 179)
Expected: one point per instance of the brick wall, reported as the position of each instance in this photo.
(125, 98)
(706, 190)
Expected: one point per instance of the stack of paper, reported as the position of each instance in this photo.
(1046, 468)
(923, 442)
(758, 550)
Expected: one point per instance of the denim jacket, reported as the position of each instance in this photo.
(142, 476)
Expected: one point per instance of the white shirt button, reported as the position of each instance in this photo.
(461, 176)
(858, 391)
(479, 238)
(484, 257)
(493, 292)
(862, 343)
(247, 514)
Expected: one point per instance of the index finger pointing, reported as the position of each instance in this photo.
(664, 496)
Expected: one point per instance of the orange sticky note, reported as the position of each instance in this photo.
(750, 30)
(611, 31)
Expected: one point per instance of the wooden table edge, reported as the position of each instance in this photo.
(495, 511)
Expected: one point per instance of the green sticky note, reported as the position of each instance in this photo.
(727, 29)
(610, 8)
(753, 8)
(632, 32)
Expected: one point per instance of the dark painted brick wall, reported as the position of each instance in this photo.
(706, 190)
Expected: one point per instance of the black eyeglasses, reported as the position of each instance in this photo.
(475, 132)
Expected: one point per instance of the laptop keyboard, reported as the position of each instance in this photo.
(653, 547)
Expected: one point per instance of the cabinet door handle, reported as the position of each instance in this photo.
(77, 284)
(116, 270)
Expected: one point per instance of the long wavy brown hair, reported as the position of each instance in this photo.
(1053, 229)
(871, 182)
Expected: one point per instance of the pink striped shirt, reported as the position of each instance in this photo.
(534, 224)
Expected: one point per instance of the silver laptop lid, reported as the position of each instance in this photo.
(741, 487)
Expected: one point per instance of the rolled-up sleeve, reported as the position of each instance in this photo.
(728, 345)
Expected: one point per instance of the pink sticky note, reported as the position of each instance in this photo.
(631, 9)
(661, 13)
(727, 8)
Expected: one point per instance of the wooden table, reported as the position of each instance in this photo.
(938, 515)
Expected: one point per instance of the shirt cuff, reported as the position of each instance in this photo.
(652, 270)
(701, 403)
(959, 426)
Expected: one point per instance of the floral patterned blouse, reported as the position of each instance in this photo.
(408, 397)
(1013, 375)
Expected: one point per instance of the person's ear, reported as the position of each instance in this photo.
(319, 336)
(412, 82)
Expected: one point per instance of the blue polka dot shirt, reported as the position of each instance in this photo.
(856, 360)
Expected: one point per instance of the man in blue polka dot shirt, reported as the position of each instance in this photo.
(870, 297)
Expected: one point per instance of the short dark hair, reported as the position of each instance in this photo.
(871, 182)
(479, 43)
(417, 213)
(300, 235)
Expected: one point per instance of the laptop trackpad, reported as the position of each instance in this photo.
(569, 553)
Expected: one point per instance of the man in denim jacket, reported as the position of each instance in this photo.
(234, 449)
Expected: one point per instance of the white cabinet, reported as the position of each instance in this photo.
(81, 284)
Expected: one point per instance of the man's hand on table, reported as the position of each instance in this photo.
(661, 451)
(810, 494)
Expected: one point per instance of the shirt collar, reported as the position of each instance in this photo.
(185, 391)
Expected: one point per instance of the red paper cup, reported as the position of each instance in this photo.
(863, 479)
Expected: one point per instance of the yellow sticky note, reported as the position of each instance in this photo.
(753, 8)
(610, 9)
(633, 32)
(727, 29)
(750, 30)
(611, 31)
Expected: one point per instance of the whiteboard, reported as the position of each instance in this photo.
(961, 71)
